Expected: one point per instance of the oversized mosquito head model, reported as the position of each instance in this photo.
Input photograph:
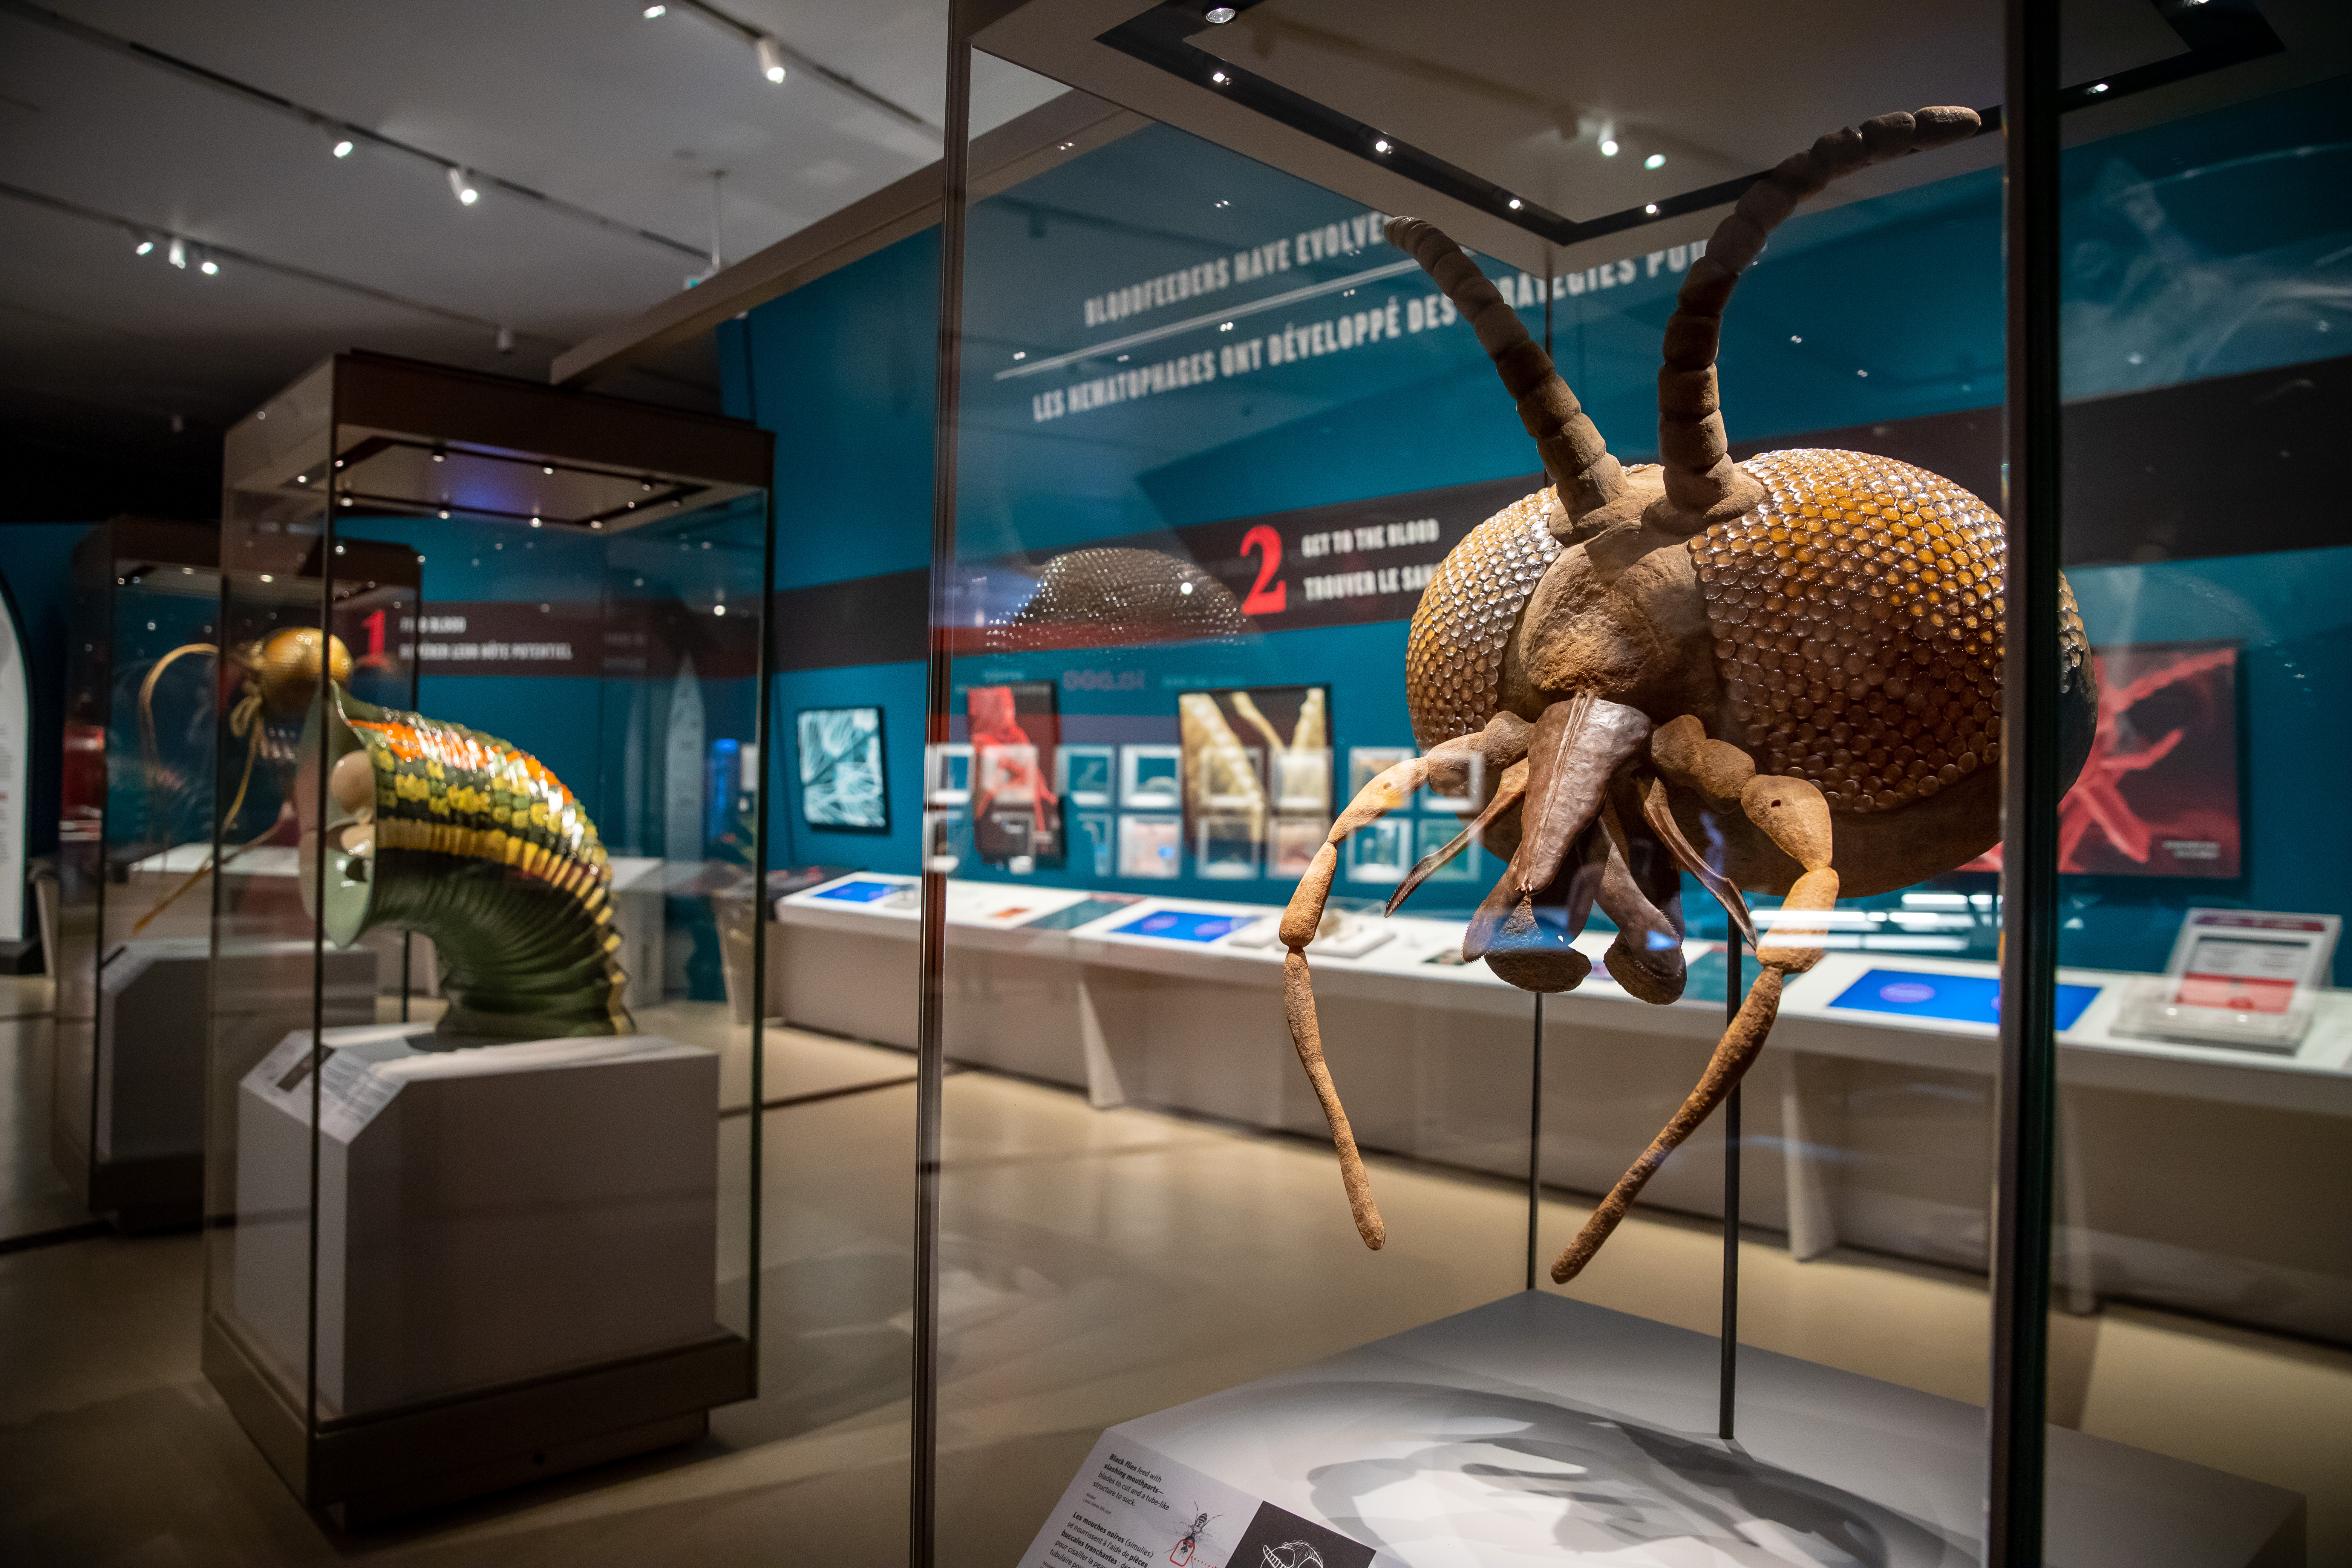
(1796, 661)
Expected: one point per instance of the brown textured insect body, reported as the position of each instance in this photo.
(1796, 660)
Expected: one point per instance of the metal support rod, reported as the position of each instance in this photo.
(1727, 1389)
(930, 1060)
(2025, 1086)
(1535, 1139)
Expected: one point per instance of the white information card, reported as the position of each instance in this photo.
(1131, 1506)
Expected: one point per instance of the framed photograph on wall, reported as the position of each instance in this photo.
(1151, 846)
(843, 778)
(1015, 729)
(1256, 751)
(1151, 777)
(1087, 776)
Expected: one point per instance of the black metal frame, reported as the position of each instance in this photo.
(2218, 33)
(2026, 1081)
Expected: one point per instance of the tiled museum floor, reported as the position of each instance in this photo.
(1096, 1264)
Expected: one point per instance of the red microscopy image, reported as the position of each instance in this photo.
(2159, 796)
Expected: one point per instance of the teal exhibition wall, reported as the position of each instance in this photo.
(2206, 258)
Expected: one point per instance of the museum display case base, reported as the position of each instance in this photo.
(144, 1113)
(364, 1472)
(492, 1264)
(1539, 1428)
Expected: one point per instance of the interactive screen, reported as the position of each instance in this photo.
(861, 892)
(1961, 998)
(1184, 925)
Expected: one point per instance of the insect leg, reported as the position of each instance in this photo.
(1793, 813)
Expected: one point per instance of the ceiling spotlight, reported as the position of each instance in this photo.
(445, 511)
(1220, 77)
(177, 254)
(718, 609)
(1654, 160)
(1652, 208)
(461, 185)
(655, 11)
(534, 522)
(208, 267)
(143, 247)
(1514, 203)
(772, 60)
(1609, 146)
(547, 468)
(2098, 86)
(439, 457)
(342, 147)
(1380, 146)
(1220, 14)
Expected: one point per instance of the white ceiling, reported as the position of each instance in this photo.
(586, 100)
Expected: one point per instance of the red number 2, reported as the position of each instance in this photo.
(1266, 597)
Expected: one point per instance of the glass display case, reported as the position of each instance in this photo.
(135, 840)
(2021, 1082)
(483, 1173)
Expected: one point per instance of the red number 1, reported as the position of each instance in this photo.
(1266, 597)
(374, 625)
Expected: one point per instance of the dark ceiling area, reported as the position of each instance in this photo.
(199, 202)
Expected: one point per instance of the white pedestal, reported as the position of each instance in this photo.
(1538, 1429)
(485, 1215)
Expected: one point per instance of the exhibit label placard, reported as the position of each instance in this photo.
(1131, 1506)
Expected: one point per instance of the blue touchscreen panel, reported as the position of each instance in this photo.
(1962, 998)
(860, 892)
(1183, 925)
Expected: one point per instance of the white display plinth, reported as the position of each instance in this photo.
(1539, 1430)
(485, 1215)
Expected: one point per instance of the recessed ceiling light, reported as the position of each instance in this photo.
(1380, 146)
(1514, 203)
(1609, 146)
(772, 60)
(1652, 208)
(1221, 14)
(547, 468)
(461, 185)
(342, 147)
(654, 11)
(1654, 160)
(1220, 77)
(143, 247)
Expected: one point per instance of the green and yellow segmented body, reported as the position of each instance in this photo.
(480, 847)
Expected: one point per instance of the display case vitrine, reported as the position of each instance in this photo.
(146, 674)
(1219, 434)
(499, 1223)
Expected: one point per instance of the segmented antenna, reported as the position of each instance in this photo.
(1574, 455)
(1703, 484)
